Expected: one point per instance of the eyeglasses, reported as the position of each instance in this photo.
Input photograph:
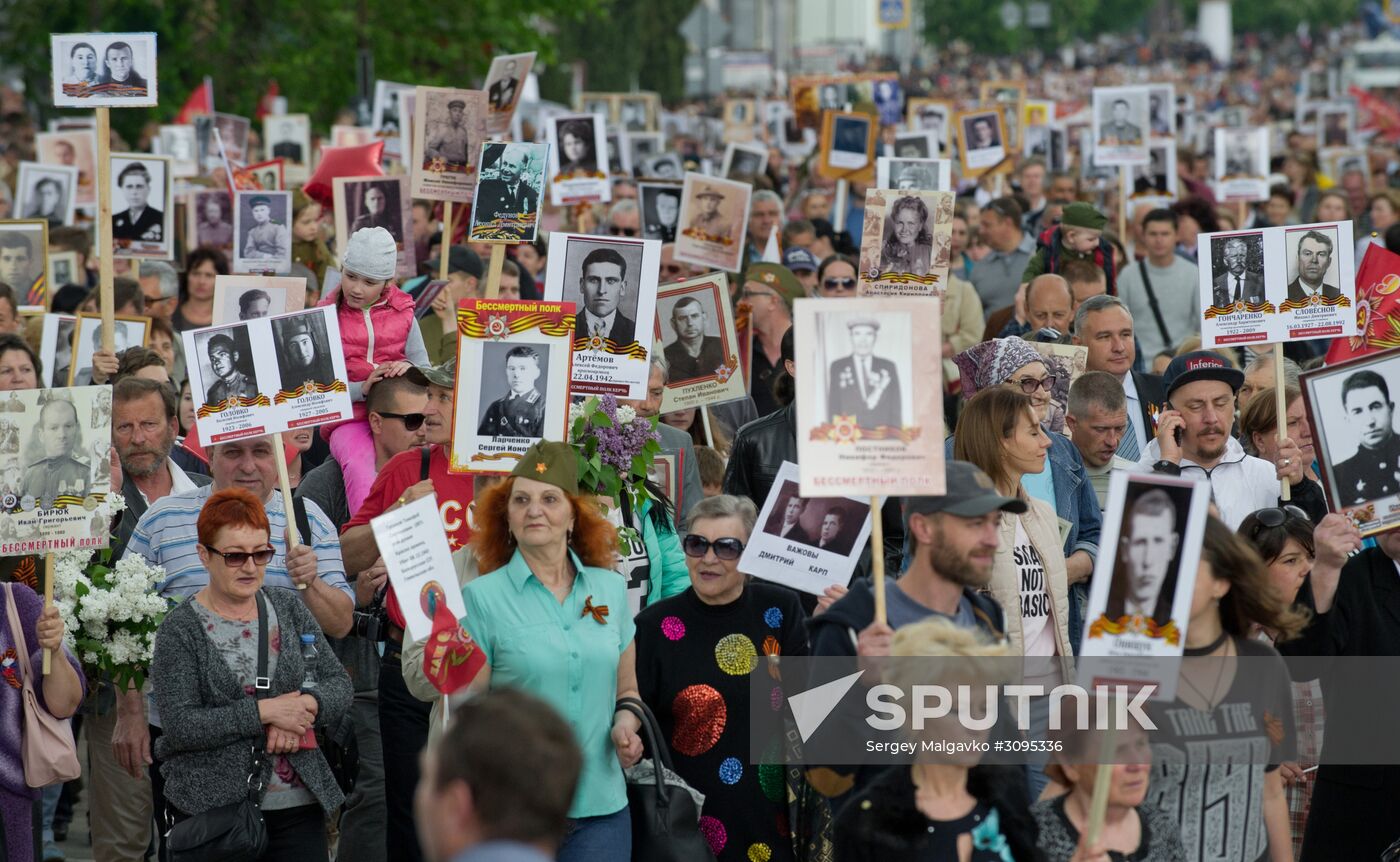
(411, 421)
(1028, 385)
(1275, 517)
(842, 283)
(725, 549)
(236, 559)
(622, 231)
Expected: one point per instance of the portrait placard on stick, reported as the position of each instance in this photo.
(695, 327)
(577, 159)
(262, 231)
(143, 214)
(24, 261)
(87, 335)
(415, 552)
(56, 348)
(362, 202)
(981, 140)
(804, 543)
(504, 83)
(110, 70)
(1242, 164)
(847, 146)
(267, 375)
(389, 120)
(56, 470)
(907, 243)
(714, 220)
(248, 297)
(288, 137)
(869, 397)
(73, 148)
(523, 351)
(47, 192)
(1140, 596)
(449, 126)
(506, 206)
(1120, 125)
(928, 175)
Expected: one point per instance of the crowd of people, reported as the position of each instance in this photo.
(531, 762)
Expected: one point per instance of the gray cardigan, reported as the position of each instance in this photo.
(211, 724)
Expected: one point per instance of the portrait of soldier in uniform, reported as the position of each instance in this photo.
(520, 412)
(662, 208)
(1144, 577)
(224, 360)
(862, 384)
(507, 191)
(1373, 473)
(57, 473)
(266, 239)
(503, 91)
(709, 220)
(448, 139)
(300, 360)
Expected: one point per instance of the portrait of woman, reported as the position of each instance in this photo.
(908, 245)
(576, 148)
(82, 64)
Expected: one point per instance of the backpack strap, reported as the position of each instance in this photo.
(425, 455)
(1156, 309)
(303, 521)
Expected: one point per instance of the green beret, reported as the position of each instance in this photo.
(552, 463)
(1080, 214)
(777, 277)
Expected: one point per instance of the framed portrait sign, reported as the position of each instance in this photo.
(249, 297)
(209, 220)
(1037, 112)
(1140, 595)
(1351, 407)
(288, 137)
(362, 202)
(506, 205)
(744, 162)
(918, 144)
(143, 211)
(56, 348)
(578, 159)
(233, 132)
(267, 374)
(869, 397)
(523, 353)
(1234, 303)
(666, 471)
(1161, 113)
(1336, 125)
(662, 166)
(73, 148)
(449, 126)
(1347, 167)
(24, 261)
(1008, 96)
(351, 136)
(505, 82)
(64, 268)
(1157, 178)
(262, 231)
(806, 543)
(55, 471)
(981, 141)
(388, 119)
(182, 146)
(603, 104)
(661, 209)
(127, 331)
(1050, 143)
(1242, 164)
(714, 218)
(695, 328)
(637, 112)
(270, 175)
(1120, 125)
(47, 192)
(925, 175)
(906, 244)
(642, 146)
(612, 282)
(847, 146)
(1066, 363)
(932, 115)
(110, 70)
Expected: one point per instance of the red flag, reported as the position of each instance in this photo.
(1377, 307)
(200, 102)
(266, 102)
(450, 658)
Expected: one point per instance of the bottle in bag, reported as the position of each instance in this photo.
(308, 680)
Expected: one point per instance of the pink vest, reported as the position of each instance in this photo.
(374, 335)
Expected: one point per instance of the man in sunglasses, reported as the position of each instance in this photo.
(625, 218)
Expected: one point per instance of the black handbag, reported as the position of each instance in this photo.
(665, 818)
(234, 832)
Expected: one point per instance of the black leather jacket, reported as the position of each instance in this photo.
(759, 450)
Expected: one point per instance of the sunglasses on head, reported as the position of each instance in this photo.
(843, 283)
(1275, 517)
(1030, 384)
(622, 231)
(411, 421)
(725, 549)
(236, 559)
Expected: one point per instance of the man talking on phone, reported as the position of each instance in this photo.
(1193, 439)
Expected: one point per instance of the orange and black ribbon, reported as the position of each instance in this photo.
(599, 612)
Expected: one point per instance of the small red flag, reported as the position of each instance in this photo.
(450, 658)
(265, 104)
(1377, 307)
(200, 102)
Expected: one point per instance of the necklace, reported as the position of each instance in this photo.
(1208, 648)
(1219, 675)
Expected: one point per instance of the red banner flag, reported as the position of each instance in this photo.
(200, 102)
(450, 658)
(1377, 307)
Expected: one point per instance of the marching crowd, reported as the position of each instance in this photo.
(531, 765)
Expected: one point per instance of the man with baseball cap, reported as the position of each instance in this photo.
(803, 264)
(464, 274)
(1193, 439)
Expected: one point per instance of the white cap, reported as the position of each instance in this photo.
(372, 253)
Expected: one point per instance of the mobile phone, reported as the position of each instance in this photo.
(1176, 432)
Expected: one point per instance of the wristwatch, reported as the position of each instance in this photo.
(1165, 466)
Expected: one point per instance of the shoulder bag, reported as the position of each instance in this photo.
(665, 814)
(1156, 309)
(48, 751)
(233, 832)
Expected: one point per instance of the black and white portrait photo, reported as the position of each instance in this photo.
(87, 339)
(1237, 266)
(602, 279)
(617, 164)
(23, 259)
(580, 140)
(107, 69)
(288, 137)
(56, 348)
(1334, 125)
(642, 146)
(915, 145)
(63, 268)
(744, 162)
(75, 148)
(827, 523)
(1158, 176)
(848, 143)
(1121, 125)
(981, 141)
(211, 219)
(233, 132)
(505, 78)
(663, 166)
(1351, 407)
(303, 350)
(514, 386)
(864, 383)
(181, 145)
(142, 210)
(1242, 154)
(661, 209)
(454, 125)
(636, 113)
(507, 200)
(262, 224)
(931, 115)
(376, 203)
(225, 357)
(928, 175)
(1161, 111)
(691, 335)
(1146, 568)
(46, 192)
(1313, 263)
(387, 118)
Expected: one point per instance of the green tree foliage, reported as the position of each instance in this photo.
(310, 47)
(636, 45)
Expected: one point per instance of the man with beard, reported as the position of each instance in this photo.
(376, 214)
(506, 194)
(224, 357)
(1201, 388)
(1373, 472)
(57, 473)
(301, 362)
(1314, 257)
(1237, 283)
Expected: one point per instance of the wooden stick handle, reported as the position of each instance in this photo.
(445, 247)
(1103, 780)
(493, 270)
(285, 484)
(877, 558)
(105, 271)
(1123, 171)
(48, 600)
(1285, 492)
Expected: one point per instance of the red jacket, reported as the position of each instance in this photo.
(374, 335)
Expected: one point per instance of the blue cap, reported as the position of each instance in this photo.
(798, 259)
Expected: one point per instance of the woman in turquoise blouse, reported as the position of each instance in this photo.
(552, 619)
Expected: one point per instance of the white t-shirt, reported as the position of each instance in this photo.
(1037, 628)
(635, 566)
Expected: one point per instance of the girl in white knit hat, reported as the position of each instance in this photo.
(380, 337)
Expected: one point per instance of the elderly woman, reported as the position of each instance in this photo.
(220, 731)
(1012, 363)
(722, 615)
(908, 245)
(551, 618)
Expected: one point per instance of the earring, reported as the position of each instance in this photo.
(568, 537)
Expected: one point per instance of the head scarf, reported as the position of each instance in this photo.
(992, 362)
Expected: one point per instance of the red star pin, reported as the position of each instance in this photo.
(541, 467)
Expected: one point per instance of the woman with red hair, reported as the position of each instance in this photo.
(225, 727)
(552, 618)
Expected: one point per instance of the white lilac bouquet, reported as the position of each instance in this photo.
(616, 449)
(110, 612)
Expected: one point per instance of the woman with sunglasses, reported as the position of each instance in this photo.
(1013, 364)
(694, 654)
(218, 728)
(836, 276)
